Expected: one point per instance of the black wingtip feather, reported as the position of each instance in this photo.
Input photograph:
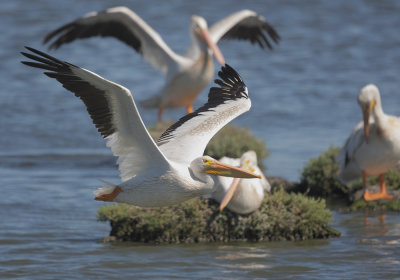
(231, 87)
(39, 65)
(95, 100)
(50, 74)
(95, 25)
(255, 33)
(227, 72)
(230, 81)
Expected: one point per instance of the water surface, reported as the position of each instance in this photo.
(304, 100)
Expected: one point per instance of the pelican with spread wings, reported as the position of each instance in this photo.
(153, 174)
(186, 75)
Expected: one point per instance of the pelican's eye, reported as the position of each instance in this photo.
(206, 161)
(246, 164)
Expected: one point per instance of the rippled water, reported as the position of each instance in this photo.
(303, 101)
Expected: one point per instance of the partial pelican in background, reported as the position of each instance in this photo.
(174, 169)
(373, 146)
(186, 75)
(242, 196)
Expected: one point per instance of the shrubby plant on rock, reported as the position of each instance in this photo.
(319, 178)
(282, 216)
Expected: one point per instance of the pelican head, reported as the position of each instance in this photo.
(214, 167)
(199, 28)
(249, 160)
(367, 99)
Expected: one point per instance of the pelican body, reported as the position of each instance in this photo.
(373, 146)
(186, 75)
(242, 196)
(153, 174)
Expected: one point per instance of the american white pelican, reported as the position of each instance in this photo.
(373, 146)
(242, 196)
(186, 75)
(174, 169)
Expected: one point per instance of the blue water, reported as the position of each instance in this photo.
(304, 100)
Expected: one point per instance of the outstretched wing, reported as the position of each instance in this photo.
(123, 24)
(245, 25)
(187, 138)
(348, 168)
(112, 110)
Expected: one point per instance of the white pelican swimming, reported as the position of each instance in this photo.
(186, 75)
(242, 196)
(373, 146)
(153, 175)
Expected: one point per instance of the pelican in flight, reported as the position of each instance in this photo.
(242, 196)
(373, 146)
(153, 174)
(187, 75)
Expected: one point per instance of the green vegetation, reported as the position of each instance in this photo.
(392, 179)
(319, 178)
(391, 205)
(282, 216)
(230, 141)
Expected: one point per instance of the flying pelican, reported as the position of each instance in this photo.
(186, 75)
(373, 146)
(174, 169)
(241, 196)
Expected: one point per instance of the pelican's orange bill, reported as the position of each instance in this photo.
(214, 47)
(222, 169)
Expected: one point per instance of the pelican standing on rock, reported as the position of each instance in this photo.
(242, 196)
(174, 169)
(373, 146)
(186, 75)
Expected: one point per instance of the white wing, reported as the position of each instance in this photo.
(348, 168)
(187, 138)
(112, 110)
(245, 25)
(123, 24)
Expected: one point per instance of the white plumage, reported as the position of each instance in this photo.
(186, 75)
(242, 196)
(153, 175)
(373, 146)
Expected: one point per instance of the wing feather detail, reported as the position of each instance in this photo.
(348, 168)
(245, 25)
(187, 139)
(122, 24)
(112, 110)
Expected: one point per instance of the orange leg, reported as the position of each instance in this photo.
(160, 111)
(375, 196)
(189, 109)
(109, 197)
